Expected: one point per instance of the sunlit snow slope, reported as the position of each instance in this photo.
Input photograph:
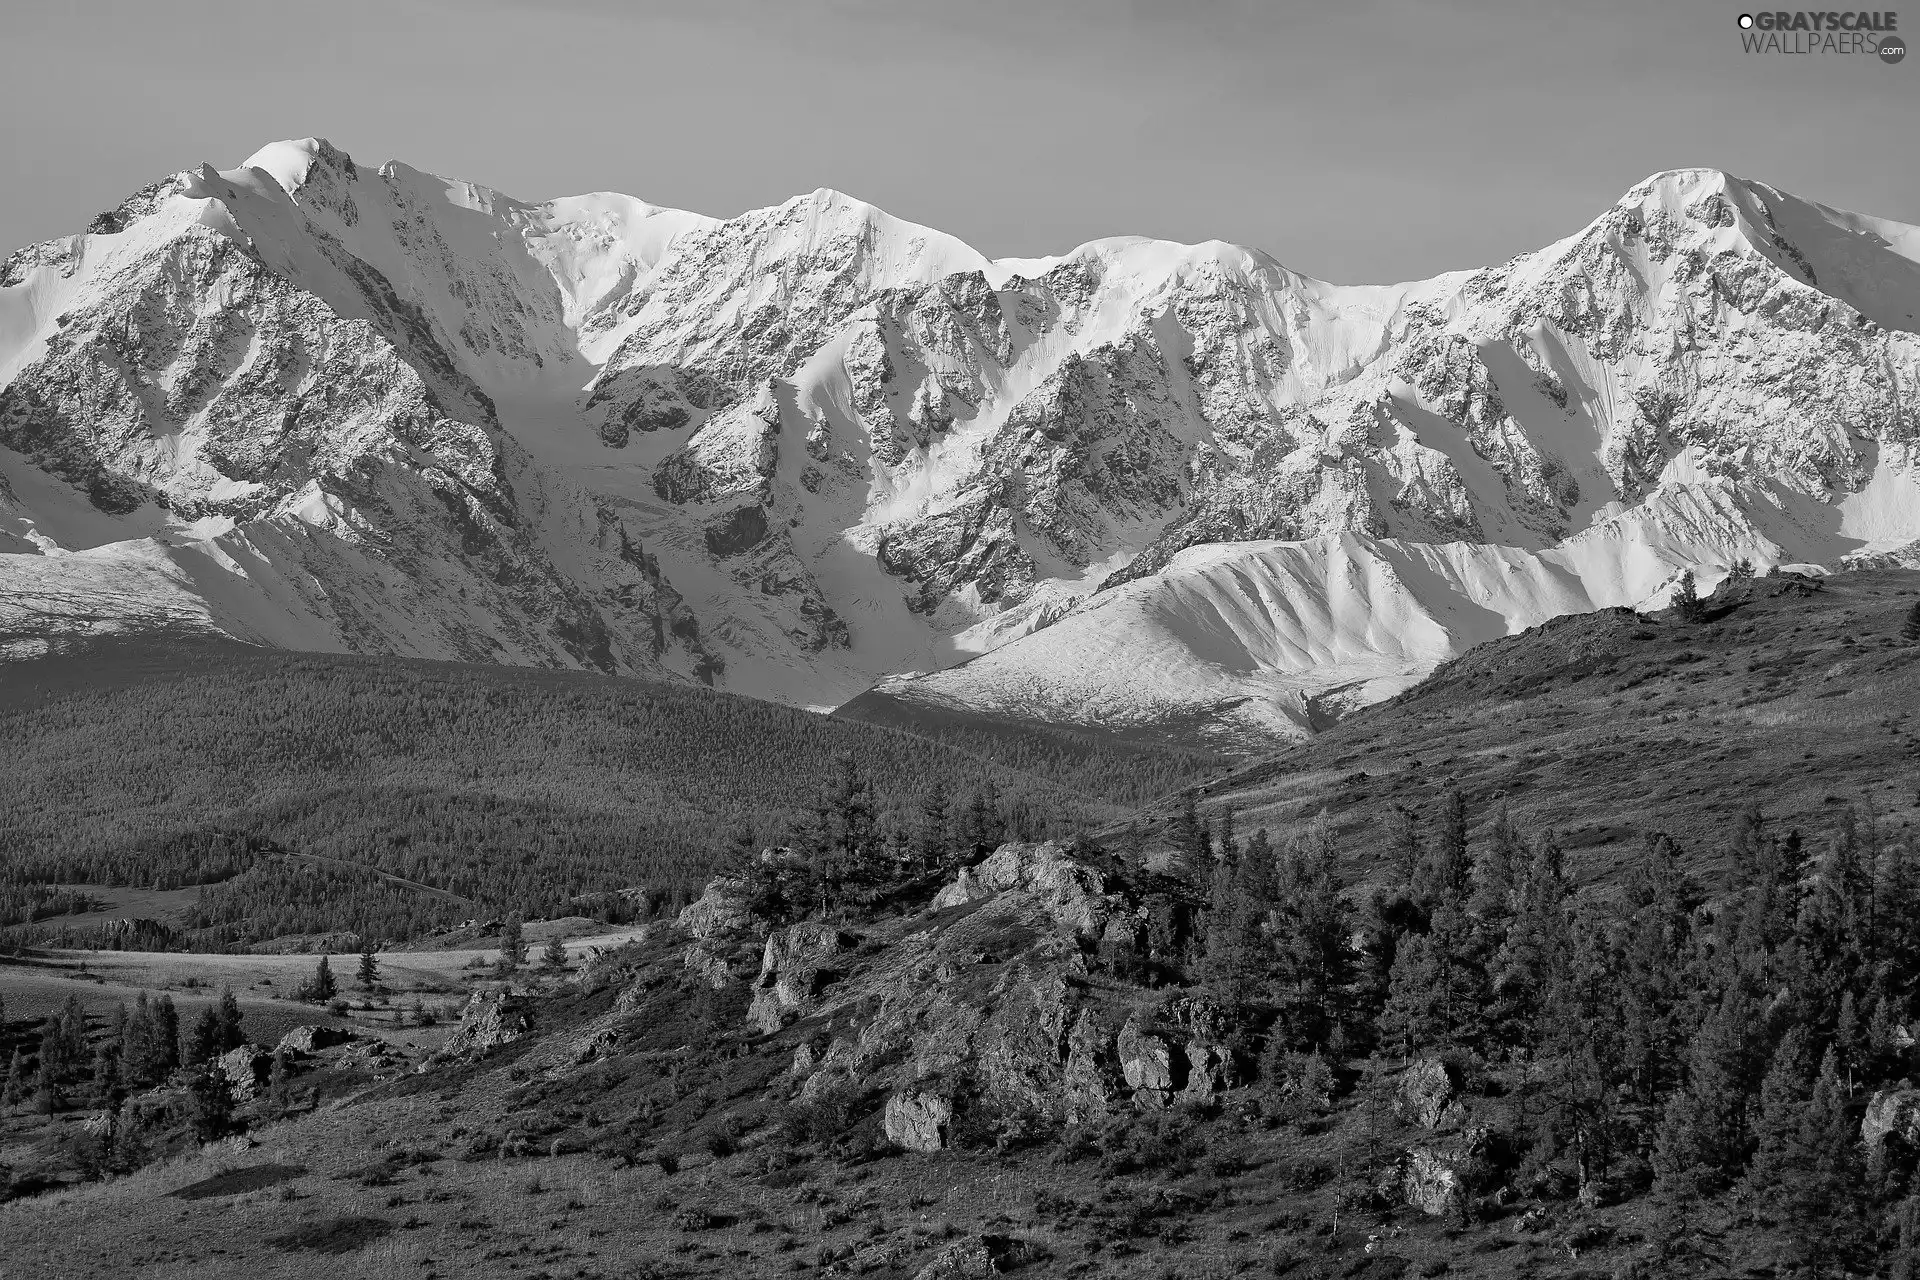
(795, 453)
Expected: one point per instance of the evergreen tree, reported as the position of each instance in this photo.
(1446, 873)
(1704, 1131)
(227, 1012)
(368, 974)
(932, 846)
(1405, 845)
(321, 987)
(106, 1076)
(54, 1066)
(19, 1079)
(1910, 625)
(1311, 929)
(201, 1038)
(554, 958)
(1537, 946)
(1496, 872)
(1687, 605)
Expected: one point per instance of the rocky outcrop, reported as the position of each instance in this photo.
(1146, 1062)
(721, 911)
(1427, 1093)
(1431, 1182)
(1892, 1113)
(490, 1019)
(1069, 890)
(797, 963)
(246, 1070)
(313, 1038)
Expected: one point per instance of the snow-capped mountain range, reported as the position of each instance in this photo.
(813, 448)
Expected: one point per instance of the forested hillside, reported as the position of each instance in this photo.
(1798, 694)
(324, 792)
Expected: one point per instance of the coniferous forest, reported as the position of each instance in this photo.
(312, 793)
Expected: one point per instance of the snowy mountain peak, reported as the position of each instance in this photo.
(813, 446)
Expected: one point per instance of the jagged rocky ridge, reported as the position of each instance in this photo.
(314, 404)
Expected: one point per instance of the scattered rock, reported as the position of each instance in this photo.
(918, 1121)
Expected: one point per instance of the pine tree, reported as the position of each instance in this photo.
(54, 1067)
(554, 958)
(165, 1048)
(1311, 929)
(321, 987)
(231, 1034)
(1784, 1095)
(368, 974)
(19, 1079)
(201, 1038)
(1405, 843)
(1910, 626)
(1496, 872)
(1537, 945)
(1446, 873)
(932, 846)
(1704, 1131)
(106, 1076)
(1687, 605)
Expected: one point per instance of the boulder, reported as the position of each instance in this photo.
(490, 1019)
(312, 1038)
(246, 1070)
(1428, 1094)
(918, 1121)
(1891, 1113)
(797, 963)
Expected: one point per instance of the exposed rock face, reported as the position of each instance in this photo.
(720, 912)
(1147, 1064)
(490, 1019)
(797, 963)
(1892, 1113)
(918, 1121)
(1426, 1094)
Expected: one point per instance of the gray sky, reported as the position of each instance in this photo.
(1356, 142)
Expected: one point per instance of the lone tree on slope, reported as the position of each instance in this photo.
(1910, 628)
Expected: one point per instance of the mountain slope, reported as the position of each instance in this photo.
(312, 404)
